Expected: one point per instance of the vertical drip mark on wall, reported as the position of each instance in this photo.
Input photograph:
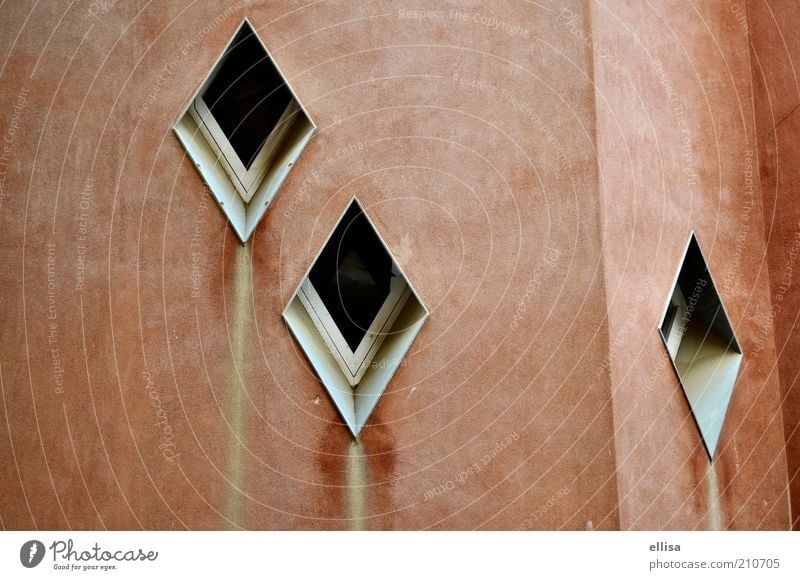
(714, 504)
(356, 480)
(240, 309)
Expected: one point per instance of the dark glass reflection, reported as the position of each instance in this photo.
(247, 95)
(353, 275)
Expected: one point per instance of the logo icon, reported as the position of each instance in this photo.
(31, 553)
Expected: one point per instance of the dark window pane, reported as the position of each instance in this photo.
(247, 96)
(353, 275)
(701, 295)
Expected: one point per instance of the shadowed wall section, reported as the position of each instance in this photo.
(775, 57)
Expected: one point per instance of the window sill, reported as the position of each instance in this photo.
(356, 404)
(244, 217)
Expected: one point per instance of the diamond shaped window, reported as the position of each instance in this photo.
(244, 130)
(355, 315)
(702, 345)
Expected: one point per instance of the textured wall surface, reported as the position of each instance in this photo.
(775, 57)
(526, 164)
(677, 154)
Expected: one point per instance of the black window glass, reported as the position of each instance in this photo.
(353, 275)
(247, 95)
(704, 305)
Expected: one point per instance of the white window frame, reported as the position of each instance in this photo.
(355, 363)
(355, 403)
(246, 181)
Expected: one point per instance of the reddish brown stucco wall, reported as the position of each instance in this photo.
(677, 153)
(526, 191)
(775, 51)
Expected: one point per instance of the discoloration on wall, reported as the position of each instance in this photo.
(716, 518)
(357, 490)
(241, 307)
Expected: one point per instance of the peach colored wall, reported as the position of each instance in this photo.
(677, 152)
(775, 52)
(520, 198)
